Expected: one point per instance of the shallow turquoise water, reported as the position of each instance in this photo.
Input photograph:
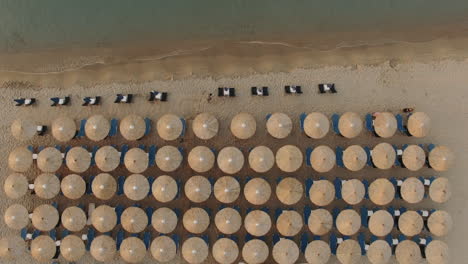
(33, 24)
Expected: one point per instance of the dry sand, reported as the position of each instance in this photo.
(436, 87)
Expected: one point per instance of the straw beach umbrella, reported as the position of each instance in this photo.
(225, 251)
(164, 189)
(201, 159)
(437, 252)
(261, 159)
(440, 190)
(132, 127)
(379, 252)
(419, 124)
(408, 252)
(385, 125)
(16, 186)
(285, 251)
(323, 159)
(349, 252)
(348, 222)
(73, 218)
(279, 125)
(381, 191)
(440, 223)
(197, 189)
(195, 250)
(23, 129)
(20, 159)
(103, 248)
(43, 248)
(104, 218)
(63, 129)
(257, 191)
(16, 216)
(441, 158)
(414, 157)
(107, 158)
(45, 217)
(353, 191)
(205, 126)
(381, 223)
(316, 125)
(350, 125)
(230, 160)
(320, 222)
(255, 251)
(169, 127)
(72, 248)
(168, 158)
(412, 190)
(243, 126)
(354, 158)
(132, 250)
(227, 189)
(97, 127)
(289, 223)
(12, 247)
(289, 158)
(383, 156)
(134, 219)
(46, 186)
(196, 220)
(164, 220)
(410, 223)
(136, 187)
(289, 191)
(163, 249)
(104, 186)
(136, 160)
(73, 186)
(228, 220)
(322, 192)
(257, 223)
(317, 252)
(49, 159)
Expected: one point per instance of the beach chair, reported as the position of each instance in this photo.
(149, 213)
(400, 125)
(123, 150)
(327, 88)
(308, 153)
(56, 101)
(147, 239)
(148, 126)
(90, 237)
(369, 121)
(339, 156)
(260, 91)
(176, 239)
(335, 119)
(120, 185)
(24, 101)
(276, 238)
(65, 233)
(87, 101)
(123, 98)
(338, 183)
(362, 242)
(302, 118)
(89, 184)
(308, 185)
(306, 212)
(293, 89)
(118, 211)
(333, 243)
(226, 92)
(304, 241)
(157, 96)
(119, 237)
(113, 127)
(81, 132)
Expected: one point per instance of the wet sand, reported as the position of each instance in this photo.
(412, 78)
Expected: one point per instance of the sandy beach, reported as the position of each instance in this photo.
(428, 76)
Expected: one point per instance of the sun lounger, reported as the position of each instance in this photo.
(90, 237)
(369, 121)
(339, 157)
(362, 242)
(147, 239)
(24, 101)
(119, 237)
(81, 131)
(308, 185)
(157, 96)
(293, 89)
(148, 126)
(327, 88)
(89, 183)
(123, 150)
(276, 238)
(87, 101)
(56, 101)
(333, 243)
(226, 92)
(260, 91)
(338, 183)
(401, 126)
(123, 98)
(304, 242)
(335, 119)
(308, 152)
(120, 185)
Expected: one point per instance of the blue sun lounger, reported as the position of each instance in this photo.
(339, 157)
